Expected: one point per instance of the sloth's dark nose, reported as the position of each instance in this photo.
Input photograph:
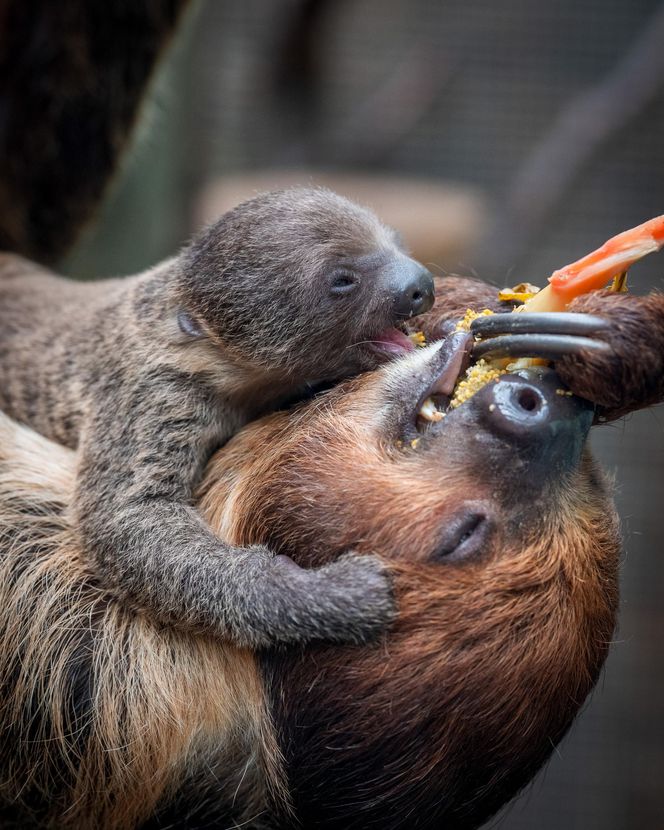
(413, 289)
(537, 415)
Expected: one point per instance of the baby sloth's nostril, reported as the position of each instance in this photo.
(416, 293)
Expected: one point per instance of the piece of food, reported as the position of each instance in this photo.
(475, 377)
(598, 268)
(469, 316)
(593, 271)
(519, 293)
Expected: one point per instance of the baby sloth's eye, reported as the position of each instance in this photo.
(464, 536)
(343, 282)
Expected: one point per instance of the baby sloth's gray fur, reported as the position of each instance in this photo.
(148, 375)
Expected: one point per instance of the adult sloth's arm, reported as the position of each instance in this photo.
(628, 377)
(631, 375)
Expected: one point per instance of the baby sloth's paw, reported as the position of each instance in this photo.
(630, 374)
(349, 600)
(270, 600)
(360, 586)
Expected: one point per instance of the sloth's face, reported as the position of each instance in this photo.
(504, 547)
(359, 467)
(304, 283)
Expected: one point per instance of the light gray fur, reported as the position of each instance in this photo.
(105, 367)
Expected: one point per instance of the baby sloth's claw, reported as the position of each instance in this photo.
(547, 346)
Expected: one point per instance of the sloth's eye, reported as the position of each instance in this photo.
(464, 536)
(188, 325)
(344, 282)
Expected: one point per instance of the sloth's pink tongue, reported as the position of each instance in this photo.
(393, 341)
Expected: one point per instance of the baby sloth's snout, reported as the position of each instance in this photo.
(412, 288)
(533, 412)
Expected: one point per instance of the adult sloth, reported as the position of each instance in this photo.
(504, 546)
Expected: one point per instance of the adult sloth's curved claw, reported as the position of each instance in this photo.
(547, 346)
(559, 322)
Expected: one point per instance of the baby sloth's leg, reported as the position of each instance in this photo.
(139, 465)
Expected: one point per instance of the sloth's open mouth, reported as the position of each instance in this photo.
(433, 404)
(432, 410)
(525, 412)
(392, 342)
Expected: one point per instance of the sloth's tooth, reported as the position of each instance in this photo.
(429, 411)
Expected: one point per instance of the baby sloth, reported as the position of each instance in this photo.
(148, 375)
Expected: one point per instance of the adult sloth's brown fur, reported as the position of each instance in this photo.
(111, 721)
(492, 655)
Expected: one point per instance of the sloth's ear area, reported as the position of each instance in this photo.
(188, 325)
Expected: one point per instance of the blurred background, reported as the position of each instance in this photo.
(502, 139)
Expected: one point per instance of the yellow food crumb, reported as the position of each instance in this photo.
(475, 378)
(519, 293)
(469, 316)
(564, 392)
(414, 442)
(418, 338)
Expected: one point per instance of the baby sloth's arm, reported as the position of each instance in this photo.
(140, 461)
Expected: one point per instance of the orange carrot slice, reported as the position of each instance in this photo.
(596, 269)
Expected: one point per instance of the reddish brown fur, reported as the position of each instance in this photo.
(489, 662)
(454, 296)
(495, 653)
(615, 381)
(492, 657)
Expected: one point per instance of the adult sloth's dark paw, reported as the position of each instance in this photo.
(630, 374)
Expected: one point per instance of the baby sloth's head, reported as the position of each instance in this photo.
(504, 546)
(304, 282)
